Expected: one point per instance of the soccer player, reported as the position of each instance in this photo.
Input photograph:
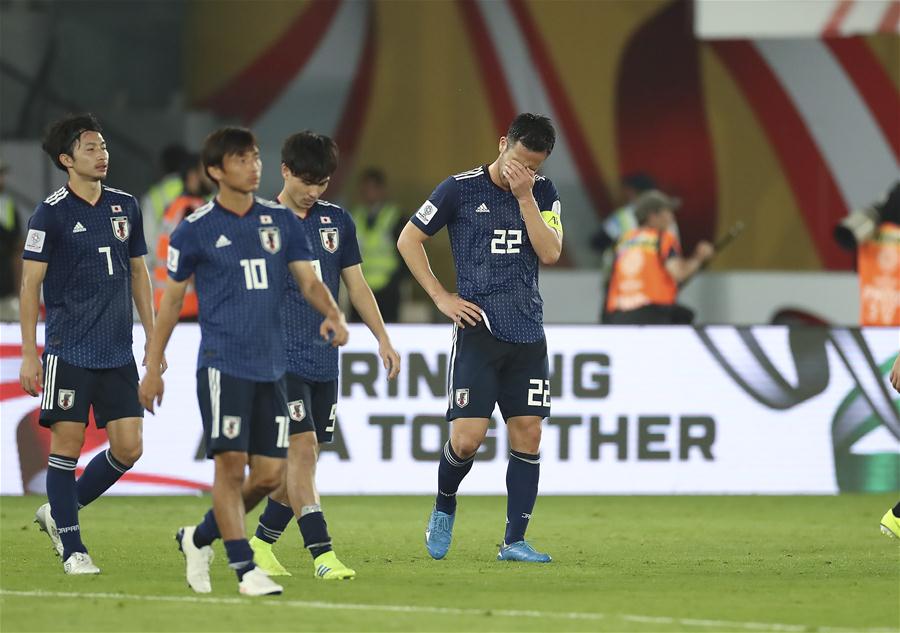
(890, 522)
(307, 162)
(85, 244)
(502, 219)
(239, 249)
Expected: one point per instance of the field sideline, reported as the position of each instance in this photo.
(621, 564)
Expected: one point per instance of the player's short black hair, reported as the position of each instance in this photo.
(310, 156)
(61, 136)
(226, 141)
(534, 131)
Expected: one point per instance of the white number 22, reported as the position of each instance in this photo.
(539, 394)
(506, 241)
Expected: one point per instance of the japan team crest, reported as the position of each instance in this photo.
(66, 399)
(461, 397)
(120, 228)
(231, 426)
(297, 410)
(270, 237)
(329, 239)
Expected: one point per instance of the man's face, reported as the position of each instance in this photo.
(240, 172)
(304, 193)
(530, 159)
(89, 158)
(662, 220)
(371, 192)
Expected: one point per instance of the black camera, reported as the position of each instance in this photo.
(861, 225)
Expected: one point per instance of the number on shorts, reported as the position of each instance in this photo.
(331, 418)
(284, 431)
(539, 393)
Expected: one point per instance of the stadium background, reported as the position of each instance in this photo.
(787, 124)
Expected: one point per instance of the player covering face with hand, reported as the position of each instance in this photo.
(240, 251)
(503, 220)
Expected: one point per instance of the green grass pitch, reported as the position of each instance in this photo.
(620, 564)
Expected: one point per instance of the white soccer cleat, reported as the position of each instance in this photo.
(80, 563)
(45, 521)
(196, 560)
(256, 583)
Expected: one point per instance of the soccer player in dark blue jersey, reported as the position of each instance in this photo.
(503, 219)
(239, 250)
(307, 162)
(85, 244)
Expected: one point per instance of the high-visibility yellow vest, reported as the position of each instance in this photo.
(377, 244)
(7, 213)
(162, 194)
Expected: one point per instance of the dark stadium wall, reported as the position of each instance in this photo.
(424, 89)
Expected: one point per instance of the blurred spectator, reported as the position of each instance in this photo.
(160, 195)
(649, 267)
(878, 264)
(378, 225)
(197, 190)
(622, 220)
(11, 240)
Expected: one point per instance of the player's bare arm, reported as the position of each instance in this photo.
(546, 241)
(411, 245)
(152, 386)
(895, 374)
(142, 293)
(31, 373)
(680, 268)
(334, 326)
(364, 301)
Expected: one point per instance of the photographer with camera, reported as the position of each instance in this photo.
(874, 233)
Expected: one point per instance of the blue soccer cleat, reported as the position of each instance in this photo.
(439, 533)
(523, 552)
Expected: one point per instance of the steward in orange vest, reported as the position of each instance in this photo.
(878, 262)
(649, 266)
(196, 193)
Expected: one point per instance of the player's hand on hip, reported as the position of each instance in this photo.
(519, 177)
(458, 310)
(31, 374)
(151, 391)
(335, 330)
(390, 358)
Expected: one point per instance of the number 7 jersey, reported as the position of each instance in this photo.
(241, 273)
(496, 266)
(87, 287)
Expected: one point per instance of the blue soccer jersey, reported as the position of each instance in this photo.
(332, 234)
(87, 288)
(496, 267)
(240, 265)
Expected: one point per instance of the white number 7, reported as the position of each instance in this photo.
(106, 249)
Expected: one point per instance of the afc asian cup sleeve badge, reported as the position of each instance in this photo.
(231, 426)
(65, 399)
(270, 238)
(120, 228)
(461, 397)
(330, 239)
(297, 410)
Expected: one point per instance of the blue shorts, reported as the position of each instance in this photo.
(485, 371)
(242, 415)
(312, 406)
(70, 392)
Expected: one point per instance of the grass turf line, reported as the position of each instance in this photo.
(638, 563)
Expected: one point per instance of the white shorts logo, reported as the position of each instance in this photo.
(66, 399)
(461, 398)
(426, 212)
(35, 241)
(231, 426)
(297, 410)
(172, 259)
